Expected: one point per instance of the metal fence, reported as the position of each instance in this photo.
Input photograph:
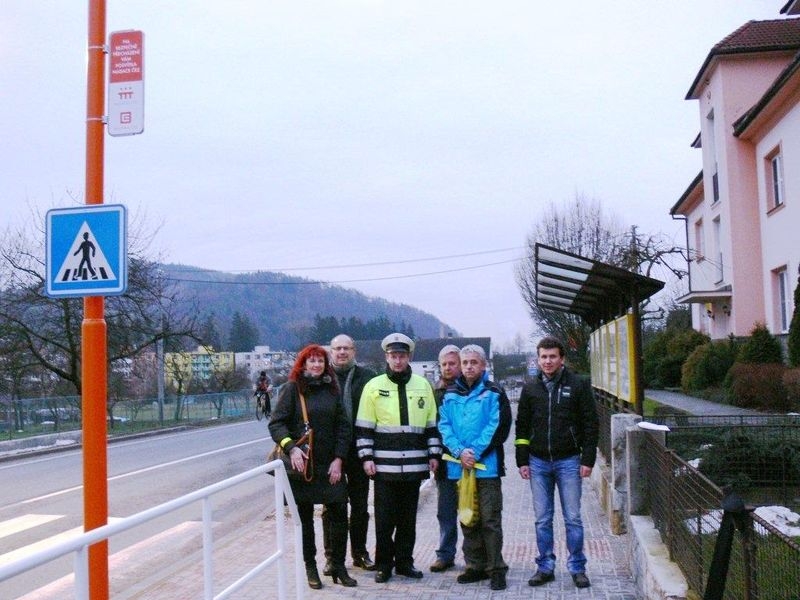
(756, 455)
(607, 405)
(34, 416)
(279, 560)
(686, 509)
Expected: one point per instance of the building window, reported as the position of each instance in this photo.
(711, 146)
(717, 255)
(699, 243)
(782, 309)
(774, 172)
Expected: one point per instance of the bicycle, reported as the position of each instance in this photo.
(262, 404)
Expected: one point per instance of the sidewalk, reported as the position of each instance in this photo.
(696, 406)
(607, 560)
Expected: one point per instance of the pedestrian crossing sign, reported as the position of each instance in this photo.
(87, 251)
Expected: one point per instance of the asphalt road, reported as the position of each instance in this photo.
(41, 501)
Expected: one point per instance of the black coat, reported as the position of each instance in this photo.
(558, 425)
(361, 375)
(332, 435)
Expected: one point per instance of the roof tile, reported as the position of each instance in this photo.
(758, 36)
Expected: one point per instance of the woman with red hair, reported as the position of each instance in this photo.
(322, 481)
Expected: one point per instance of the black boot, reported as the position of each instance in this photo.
(340, 574)
(326, 542)
(327, 570)
(337, 536)
(312, 575)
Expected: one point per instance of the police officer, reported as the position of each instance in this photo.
(398, 445)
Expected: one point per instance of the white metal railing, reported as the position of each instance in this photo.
(80, 544)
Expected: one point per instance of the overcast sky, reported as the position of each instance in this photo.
(308, 136)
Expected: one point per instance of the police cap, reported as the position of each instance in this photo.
(397, 342)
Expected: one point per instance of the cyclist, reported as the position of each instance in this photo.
(262, 392)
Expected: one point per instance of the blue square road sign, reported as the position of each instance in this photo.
(87, 251)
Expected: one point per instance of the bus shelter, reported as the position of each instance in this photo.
(608, 299)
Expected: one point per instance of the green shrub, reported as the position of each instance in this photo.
(791, 381)
(740, 460)
(708, 364)
(793, 341)
(682, 343)
(758, 386)
(664, 354)
(654, 350)
(761, 347)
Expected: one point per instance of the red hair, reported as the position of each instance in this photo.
(299, 367)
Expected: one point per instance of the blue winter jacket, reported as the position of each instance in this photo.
(477, 417)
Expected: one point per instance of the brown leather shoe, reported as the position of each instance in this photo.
(440, 566)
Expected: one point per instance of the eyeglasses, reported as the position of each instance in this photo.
(342, 348)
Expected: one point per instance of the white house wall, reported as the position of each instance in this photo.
(734, 86)
(780, 228)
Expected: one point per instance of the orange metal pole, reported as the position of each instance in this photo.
(94, 377)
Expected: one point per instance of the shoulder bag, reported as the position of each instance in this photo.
(305, 443)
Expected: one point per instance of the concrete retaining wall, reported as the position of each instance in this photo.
(619, 487)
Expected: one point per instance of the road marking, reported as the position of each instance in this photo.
(45, 543)
(146, 550)
(137, 472)
(17, 524)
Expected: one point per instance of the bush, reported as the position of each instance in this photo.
(653, 351)
(793, 341)
(684, 342)
(758, 387)
(665, 353)
(761, 347)
(743, 460)
(708, 364)
(791, 381)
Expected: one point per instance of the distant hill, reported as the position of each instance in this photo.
(284, 307)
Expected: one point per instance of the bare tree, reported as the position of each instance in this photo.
(582, 227)
(48, 330)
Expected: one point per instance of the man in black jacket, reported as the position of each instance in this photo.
(447, 491)
(352, 378)
(556, 445)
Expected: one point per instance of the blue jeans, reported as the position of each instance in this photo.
(447, 515)
(545, 476)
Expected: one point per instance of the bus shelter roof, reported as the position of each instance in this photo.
(594, 290)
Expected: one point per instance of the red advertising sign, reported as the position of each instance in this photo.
(126, 83)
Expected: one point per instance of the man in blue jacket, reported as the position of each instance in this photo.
(475, 420)
(556, 446)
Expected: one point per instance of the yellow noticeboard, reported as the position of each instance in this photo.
(612, 358)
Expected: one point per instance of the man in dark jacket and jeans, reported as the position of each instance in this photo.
(556, 445)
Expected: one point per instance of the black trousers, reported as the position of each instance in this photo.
(337, 515)
(358, 496)
(395, 523)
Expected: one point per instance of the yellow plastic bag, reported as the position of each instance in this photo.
(468, 511)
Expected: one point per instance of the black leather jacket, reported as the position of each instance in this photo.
(558, 425)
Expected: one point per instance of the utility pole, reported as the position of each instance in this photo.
(94, 375)
(160, 367)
